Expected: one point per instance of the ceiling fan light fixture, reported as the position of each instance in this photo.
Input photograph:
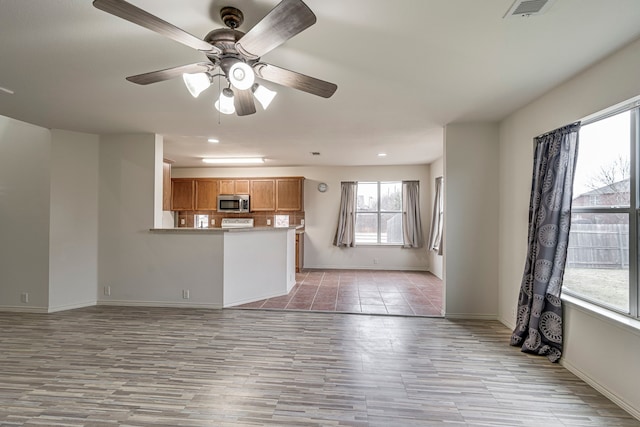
(263, 95)
(225, 103)
(241, 76)
(196, 83)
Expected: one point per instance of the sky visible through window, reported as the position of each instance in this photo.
(601, 144)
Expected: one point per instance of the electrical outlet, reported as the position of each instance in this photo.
(268, 221)
(107, 290)
(185, 294)
(302, 222)
(182, 221)
(213, 222)
(375, 260)
(24, 297)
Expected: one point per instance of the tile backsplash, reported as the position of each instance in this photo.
(260, 219)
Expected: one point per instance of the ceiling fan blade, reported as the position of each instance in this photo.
(131, 13)
(287, 19)
(295, 80)
(243, 101)
(169, 73)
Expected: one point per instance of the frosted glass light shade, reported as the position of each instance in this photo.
(241, 76)
(263, 95)
(196, 83)
(231, 160)
(225, 103)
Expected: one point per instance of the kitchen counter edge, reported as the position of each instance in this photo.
(299, 229)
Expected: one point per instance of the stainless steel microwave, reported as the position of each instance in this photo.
(233, 203)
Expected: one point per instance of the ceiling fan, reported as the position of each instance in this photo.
(233, 53)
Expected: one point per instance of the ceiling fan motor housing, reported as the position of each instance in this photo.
(231, 17)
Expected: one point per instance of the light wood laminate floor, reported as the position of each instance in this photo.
(125, 366)
(405, 293)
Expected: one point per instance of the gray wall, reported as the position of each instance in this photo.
(471, 220)
(73, 246)
(602, 351)
(140, 267)
(24, 215)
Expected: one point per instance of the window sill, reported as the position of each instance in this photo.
(616, 319)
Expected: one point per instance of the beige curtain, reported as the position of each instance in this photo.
(411, 224)
(435, 235)
(346, 231)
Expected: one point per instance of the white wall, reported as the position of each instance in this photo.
(24, 215)
(436, 262)
(258, 264)
(321, 212)
(607, 83)
(141, 267)
(471, 220)
(73, 264)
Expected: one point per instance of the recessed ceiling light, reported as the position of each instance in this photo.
(234, 160)
(382, 154)
(213, 140)
(5, 90)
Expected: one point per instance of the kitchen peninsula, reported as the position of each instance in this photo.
(256, 262)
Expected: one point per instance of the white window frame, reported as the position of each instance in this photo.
(633, 211)
(379, 212)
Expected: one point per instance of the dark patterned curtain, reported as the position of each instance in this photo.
(539, 323)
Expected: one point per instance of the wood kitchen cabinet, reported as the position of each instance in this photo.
(206, 194)
(299, 251)
(234, 186)
(166, 184)
(182, 194)
(289, 194)
(263, 194)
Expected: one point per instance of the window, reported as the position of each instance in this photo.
(602, 264)
(379, 213)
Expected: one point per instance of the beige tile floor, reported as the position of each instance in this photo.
(406, 293)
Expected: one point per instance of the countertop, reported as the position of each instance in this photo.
(299, 229)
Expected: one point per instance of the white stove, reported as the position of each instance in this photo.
(236, 223)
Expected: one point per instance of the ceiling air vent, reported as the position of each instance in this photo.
(528, 8)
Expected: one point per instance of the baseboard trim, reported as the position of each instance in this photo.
(634, 412)
(507, 323)
(21, 309)
(160, 304)
(71, 306)
(367, 267)
(470, 316)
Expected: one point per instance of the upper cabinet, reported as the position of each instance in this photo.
(166, 184)
(234, 186)
(206, 194)
(267, 194)
(289, 194)
(263, 192)
(182, 194)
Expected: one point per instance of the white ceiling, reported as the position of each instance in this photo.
(404, 69)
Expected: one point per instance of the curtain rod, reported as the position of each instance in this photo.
(555, 130)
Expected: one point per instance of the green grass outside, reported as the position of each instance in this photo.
(609, 286)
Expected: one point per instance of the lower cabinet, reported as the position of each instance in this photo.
(299, 251)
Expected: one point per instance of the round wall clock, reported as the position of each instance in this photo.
(322, 187)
